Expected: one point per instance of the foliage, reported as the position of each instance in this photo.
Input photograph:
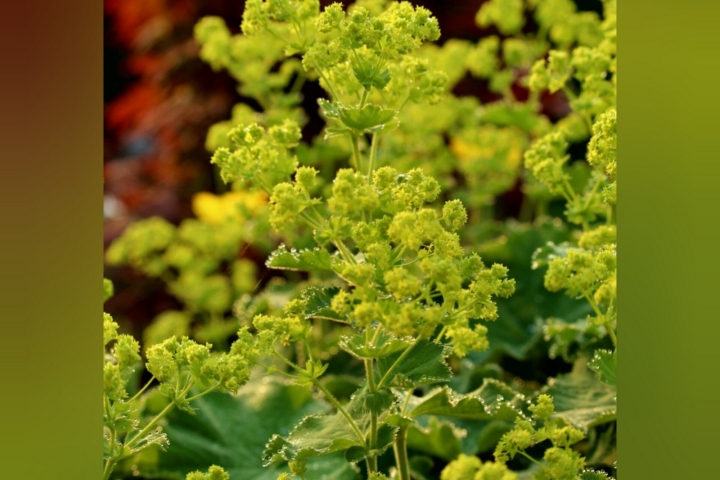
(399, 289)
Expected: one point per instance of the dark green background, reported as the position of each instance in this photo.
(51, 242)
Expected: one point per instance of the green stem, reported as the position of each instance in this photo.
(150, 425)
(363, 99)
(401, 457)
(331, 398)
(608, 327)
(344, 413)
(141, 390)
(356, 151)
(407, 402)
(112, 442)
(531, 459)
(199, 395)
(373, 151)
(611, 332)
(592, 194)
(442, 332)
(345, 251)
(395, 365)
(570, 189)
(328, 83)
(310, 220)
(109, 465)
(298, 83)
(371, 461)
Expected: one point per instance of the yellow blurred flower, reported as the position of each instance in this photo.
(236, 206)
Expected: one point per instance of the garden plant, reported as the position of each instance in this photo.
(401, 325)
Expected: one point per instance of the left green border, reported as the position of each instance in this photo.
(51, 94)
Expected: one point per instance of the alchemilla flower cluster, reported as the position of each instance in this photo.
(377, 232)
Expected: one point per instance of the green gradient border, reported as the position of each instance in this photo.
(51, 244)
(669, 220)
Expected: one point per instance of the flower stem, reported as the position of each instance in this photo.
(356, 151)
(386, 377)
(401, 457)
(373, 152)
(109, 466)
(371, 461)
(331, 398)
(150, 425)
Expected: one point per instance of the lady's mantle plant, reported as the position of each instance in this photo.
(407, 284)
(381, 245)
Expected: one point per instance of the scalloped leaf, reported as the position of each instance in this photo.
(369, 116)
(604, 363)
(548, 252)
(581, 399)
(386, 344)
(303, 260)
(492, 401)
(214, 435)
(317, 303)
(314, 436)
(424, 365)
(439, 438)
(595, 475)
(319, 435)
(385, 437)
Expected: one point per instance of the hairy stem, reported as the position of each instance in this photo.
(608, 326)
(371, 461)
(331, 398)
(150, 425)
(364, 97)
(356, 152)
(395, 365)
(109, 466)
(141, 390)
(401, 456)
(373, 152)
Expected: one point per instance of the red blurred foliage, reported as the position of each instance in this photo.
(155, 128)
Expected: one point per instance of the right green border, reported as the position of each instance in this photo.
(669, 240)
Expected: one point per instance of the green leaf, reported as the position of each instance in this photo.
(548, 252)
(377, 402)
(581, 399)
(423, 365)
(368, 76)
(386, 344)
(328, 109)
(364, 118)
(314, 436)
(317, 303)
(385, 438)
(319, 435)
(519, 329)
(304, 260)
(421, 466)
(602, 445)
(439, 438)
(605, 364)
(331, 132)
(492, 401)
(232, 431)
(595, 475)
